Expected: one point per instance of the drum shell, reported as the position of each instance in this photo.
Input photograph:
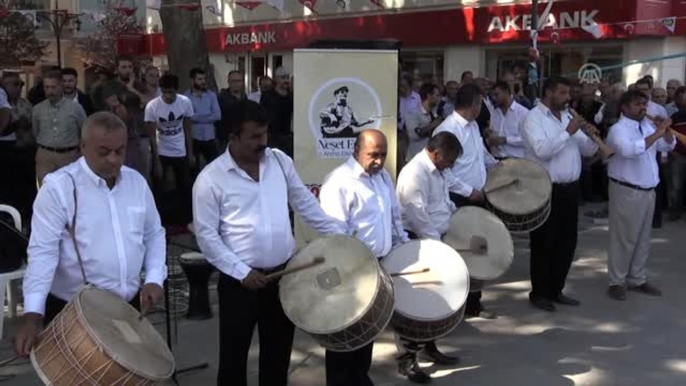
(82, 359)
(366, 328)
(522, 223)
(425, 330)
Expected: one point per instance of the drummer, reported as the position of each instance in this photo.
(426, 211)
(469, 172)
(554, 140)
(240, 212)
(360, 193)
(117, 230)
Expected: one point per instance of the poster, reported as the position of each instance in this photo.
(337, 94)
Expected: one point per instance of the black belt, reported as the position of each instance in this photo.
(566, 184)
(59, 149)
(632, 186)
(267, 271)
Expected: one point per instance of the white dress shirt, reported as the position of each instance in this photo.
(633, 163)
(118, 232)
(656, 110)
(241, 223)
(256, 96)
(424, 199)
(547, 142)
(507, 125)
(367, 204)
(469, 171)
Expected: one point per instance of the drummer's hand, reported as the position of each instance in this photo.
(27, 335)
(476, 196)
(152, 293)
(254, 281)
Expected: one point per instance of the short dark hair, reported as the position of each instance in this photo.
(196, 71)
(54, 75)
(235, 72)
(247, 111)
(407, 78)
(680, 90)
(446, 143)
(124, 58)
(468, 95)
(169, 81)
(452, 82)
(426, 90)
(643, 80)
(464, 75)
(553, 82)
(10, 75)
(631, 96)
(263, 78)
(70, 71)
(502, 85)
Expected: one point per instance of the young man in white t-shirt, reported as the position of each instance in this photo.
(169, 125)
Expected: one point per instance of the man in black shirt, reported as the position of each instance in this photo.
(229, 102)
(677, 168)
(279, 105)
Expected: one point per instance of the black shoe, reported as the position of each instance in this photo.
(415, 374)
(430, 353)
(542, 303)
(617, 292)
(647, 289)
(566, 300)
(674, 216)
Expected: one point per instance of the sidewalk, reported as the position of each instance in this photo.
(602, 343)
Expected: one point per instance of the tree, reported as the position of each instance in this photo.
(184, 37)
(18, 41)
(100, 47)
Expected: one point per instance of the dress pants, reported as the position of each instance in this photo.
(554, 243)
(208, 150)
(677, 178)
(473, 306)
(631, 218)
(349, 368)
(55, 305)
(174, 205)
(48, 161)
(240, 310)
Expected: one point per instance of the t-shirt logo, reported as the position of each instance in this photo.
(172, 125)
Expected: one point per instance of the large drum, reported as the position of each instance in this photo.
(98, 339)
(343, 303)
(198, 272)
(518, 191)
(484, 243)
(428, 304)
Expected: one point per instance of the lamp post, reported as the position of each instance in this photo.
(58, 19)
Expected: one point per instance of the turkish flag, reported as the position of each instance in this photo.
(249, 4)
(309, 4)
(378, 3)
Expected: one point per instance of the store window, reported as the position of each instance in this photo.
(258, 69)
(423, 65)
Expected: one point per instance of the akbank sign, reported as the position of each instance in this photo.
(245, 38)
(576, 19)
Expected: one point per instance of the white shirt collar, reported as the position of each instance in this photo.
(626, 121)
(355, 167)
(229, 163)
(460, 119)
(424, 157)
(96, 179)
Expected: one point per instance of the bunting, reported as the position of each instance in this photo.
(310, 4)
(378, 3)
(669, 23)
(212, 6)
(96, 16)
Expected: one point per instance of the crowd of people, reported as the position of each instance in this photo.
(223, 162)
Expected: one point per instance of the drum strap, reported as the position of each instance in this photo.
(72, 232)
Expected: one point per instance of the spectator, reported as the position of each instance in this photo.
(650, 80)
(125, 79)
(654, 109)
(8, 140)
(279, 105)
(56, 125)
(417, 84)
(229, 102)
(484, 118)
(447, 105)
(593, 171)
(659, 96)
(36, 94)
(168, 119)
(408, 101)
(467, 77)
(151, 87)
(503, 138)
(265, 84)
(672, 86)
(678, 158)
(586, 105)
(207, 113)
(517, 89)
(70, 90)
(421, 123)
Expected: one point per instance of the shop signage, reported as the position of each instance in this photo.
(574, 19)
(590, 73)
(267, 37)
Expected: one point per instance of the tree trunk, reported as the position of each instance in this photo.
(184, 37)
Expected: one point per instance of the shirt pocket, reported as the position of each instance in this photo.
(136, 217)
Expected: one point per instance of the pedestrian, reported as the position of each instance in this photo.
(69, 88)
(206, 114)
(229, 101)
(265, 84)
(279, 105)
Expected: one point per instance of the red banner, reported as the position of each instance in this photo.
(568, 21)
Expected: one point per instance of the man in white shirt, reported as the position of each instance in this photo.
(672, 86)
(96, 210)
(426, 211)
(421, 123)
(633, 173)
(360, 194)
(168, 120)
(506, 117)
(265, 83)
(469, 172)
(240, 207)
(554, 140)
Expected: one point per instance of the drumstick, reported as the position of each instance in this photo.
(8, 361)
(316, 261)
(502, 186)
(410, 272)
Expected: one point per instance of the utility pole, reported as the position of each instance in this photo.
(58, 19)
(533, 65)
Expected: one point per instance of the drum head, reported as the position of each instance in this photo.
(128, 340)
(483, 241)
(530, 192)
(432, 295)
(335, 294)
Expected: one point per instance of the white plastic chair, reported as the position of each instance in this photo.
(7, 285)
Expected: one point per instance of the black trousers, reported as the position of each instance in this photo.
(240, 310)
(175, 205)
(474, 306)
(349, 368)
(554, 243)
(208, 150)
(55, 305)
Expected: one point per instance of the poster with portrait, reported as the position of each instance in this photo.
(337, 94)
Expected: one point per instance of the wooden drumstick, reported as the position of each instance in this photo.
(605, 150)
(680, 137)
(316, 261)
(410, 272)
(502, 186)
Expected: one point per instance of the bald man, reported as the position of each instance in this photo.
(660, 96)
(360, 193)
